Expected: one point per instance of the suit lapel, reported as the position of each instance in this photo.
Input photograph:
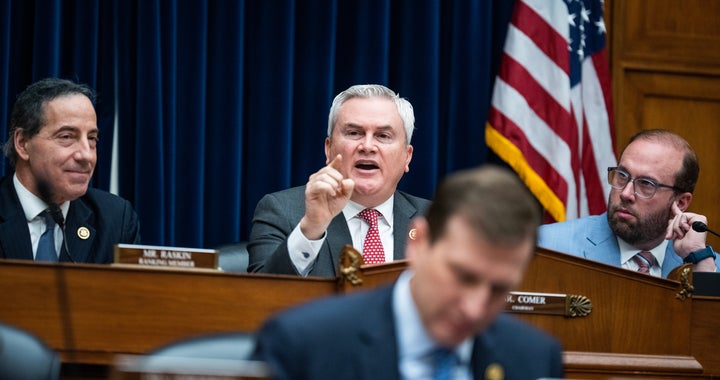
(338, 235)
(403, 212)
(79, 231)
(671, 260)
(378, 341)
(14, 232)
(482, 356)
(603, 245)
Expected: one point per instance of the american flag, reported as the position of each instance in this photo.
(551, 114)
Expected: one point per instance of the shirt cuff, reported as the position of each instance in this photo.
(303, 251)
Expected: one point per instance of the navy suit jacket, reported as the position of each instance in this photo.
(109, 219)
(591, 237)
(353, 337)
(277, 214)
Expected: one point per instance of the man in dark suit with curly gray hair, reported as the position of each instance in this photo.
(442, 318)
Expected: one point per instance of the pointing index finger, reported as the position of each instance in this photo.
(336, 163)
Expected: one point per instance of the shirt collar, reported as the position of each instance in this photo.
(386, 209)
(31, 204)
(627, 251)
(413, 339)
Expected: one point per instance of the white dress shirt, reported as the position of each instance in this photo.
(414, 344)
(303, 251)
(627, 252)
(33, 206)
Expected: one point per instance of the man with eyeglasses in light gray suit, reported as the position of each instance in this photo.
(647, 227)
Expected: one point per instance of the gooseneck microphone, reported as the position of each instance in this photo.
(699, 226)
(68, 333)
(57, 216)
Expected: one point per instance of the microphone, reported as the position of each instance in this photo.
(699, 226)
(57, 216)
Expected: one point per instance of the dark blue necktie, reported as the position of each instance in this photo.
(46, 245)
(444, 364)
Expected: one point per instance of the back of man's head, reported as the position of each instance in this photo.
(494, 202)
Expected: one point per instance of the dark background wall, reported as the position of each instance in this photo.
(219, 102)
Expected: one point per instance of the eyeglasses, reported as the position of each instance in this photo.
(644, 187)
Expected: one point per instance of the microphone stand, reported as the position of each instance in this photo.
(702, 227)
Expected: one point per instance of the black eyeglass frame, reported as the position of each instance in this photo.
(614, 169)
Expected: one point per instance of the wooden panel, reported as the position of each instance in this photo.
(88, 313)
(688, 105)
(669, 31)
(622, 301)
(624, 337)
(705, 336)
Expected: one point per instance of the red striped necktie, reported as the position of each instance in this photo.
(645, 260)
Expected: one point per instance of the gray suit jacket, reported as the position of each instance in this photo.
(591, 237)
(277, 214)
(108, 218)
(353, 337)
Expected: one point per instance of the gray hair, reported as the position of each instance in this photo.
(404, 107)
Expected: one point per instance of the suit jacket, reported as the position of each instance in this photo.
(108, 218)
(277, 214)
(353, 337)
(591, 237)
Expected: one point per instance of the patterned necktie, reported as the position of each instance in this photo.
(373, 252)
(46, 245)
(444, 362)
(645, 260)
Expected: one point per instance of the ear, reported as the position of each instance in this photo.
(409, 158)
(21, 142)
(328, 159)
(683, 201)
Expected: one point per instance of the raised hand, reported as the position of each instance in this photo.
(326, 194)
(685, 239)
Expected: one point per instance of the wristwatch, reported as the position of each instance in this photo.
(697, 256)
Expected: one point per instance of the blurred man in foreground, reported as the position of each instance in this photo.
(442, 317)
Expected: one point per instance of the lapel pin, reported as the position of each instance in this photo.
(83, 233)
(494, 372)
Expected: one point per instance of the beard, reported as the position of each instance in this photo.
(645, 229)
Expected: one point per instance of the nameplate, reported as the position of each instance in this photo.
(548, 304)
(172, 257)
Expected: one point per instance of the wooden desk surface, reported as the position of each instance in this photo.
(91, 313)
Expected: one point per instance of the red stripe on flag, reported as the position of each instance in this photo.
(594, 186)
(544, 105)
(536, 161)
(546, 38)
